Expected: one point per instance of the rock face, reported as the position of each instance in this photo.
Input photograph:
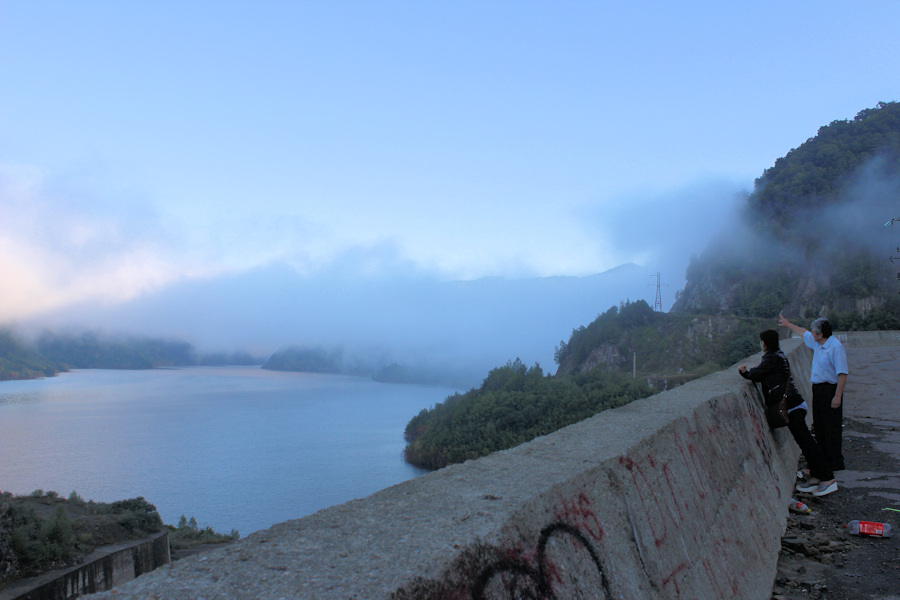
(808, 293)
(680, 343)
(708, 328)
(606, 355)
(705, 292)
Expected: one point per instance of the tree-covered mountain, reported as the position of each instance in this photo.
(91, 351)
(336, 361)
(18, 360)
(665, 349)
(309, 360)
(812, 238)
(52, 353)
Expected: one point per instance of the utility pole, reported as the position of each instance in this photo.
(657, 304)
(893, 258)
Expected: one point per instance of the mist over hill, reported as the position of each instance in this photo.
(815, 238)
(812, 238)
(462, 327)
(809, 240)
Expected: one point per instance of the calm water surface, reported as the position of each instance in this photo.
(236, 447)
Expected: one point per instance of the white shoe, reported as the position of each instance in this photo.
(808, 486)
(825, 488)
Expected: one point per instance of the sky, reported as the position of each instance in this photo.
(145, 146)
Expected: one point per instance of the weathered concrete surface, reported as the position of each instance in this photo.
(874, 377)
(682, 495)
(104, 568)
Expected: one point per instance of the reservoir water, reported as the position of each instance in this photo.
(235, 447)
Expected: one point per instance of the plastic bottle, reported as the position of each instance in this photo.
(798, 507)
(869, 528)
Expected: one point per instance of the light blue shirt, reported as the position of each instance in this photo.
(829, 359)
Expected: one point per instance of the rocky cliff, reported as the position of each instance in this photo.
(812, 239)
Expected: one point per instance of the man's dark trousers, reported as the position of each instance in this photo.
(827, 423)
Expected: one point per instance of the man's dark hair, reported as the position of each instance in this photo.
(769, 337)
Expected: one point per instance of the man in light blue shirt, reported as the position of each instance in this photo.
(828, 378)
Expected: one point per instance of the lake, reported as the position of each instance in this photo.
(235, 447)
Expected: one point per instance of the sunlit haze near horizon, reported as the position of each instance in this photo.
(147, 146)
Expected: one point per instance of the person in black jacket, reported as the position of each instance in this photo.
(774, 372)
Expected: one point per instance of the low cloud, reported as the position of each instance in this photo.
(469, 326)
(262, 282)
(60, 245)
(870, 199)
(661, 231)
(66, 243)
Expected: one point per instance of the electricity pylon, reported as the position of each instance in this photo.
(657, 304)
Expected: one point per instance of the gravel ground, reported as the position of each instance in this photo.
(819, 558)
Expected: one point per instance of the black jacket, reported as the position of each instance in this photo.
(774, 372)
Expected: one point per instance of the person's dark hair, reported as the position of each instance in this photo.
(769, 337)
(822, 326)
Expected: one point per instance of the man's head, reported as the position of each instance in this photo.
(821, 329)
(769, 338)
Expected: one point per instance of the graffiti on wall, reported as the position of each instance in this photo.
(701, 471)
(703, 478)
(565, 562)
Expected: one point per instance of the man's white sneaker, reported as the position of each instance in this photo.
(825, 488)
(807, 486)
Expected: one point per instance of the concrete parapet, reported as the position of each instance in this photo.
(854, 339)
(102, 570)
(681, 495)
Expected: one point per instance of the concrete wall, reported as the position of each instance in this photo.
(101, 572)
(682, 495)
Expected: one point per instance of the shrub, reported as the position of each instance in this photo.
(739, 349)
(136, 515)
(188, 533)
(57, 538)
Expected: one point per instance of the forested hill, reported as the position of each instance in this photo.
(20, 361)
(52, 353)
(812, 238)
(515, 403)
(666, 349)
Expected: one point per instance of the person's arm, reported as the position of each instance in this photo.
(760, 371)
(795, 328)
(839, 392)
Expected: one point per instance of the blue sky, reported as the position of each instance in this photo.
(148, 144)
